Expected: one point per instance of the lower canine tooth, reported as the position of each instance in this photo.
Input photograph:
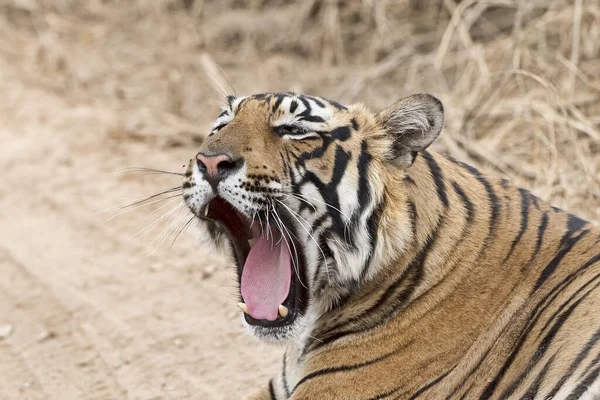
(243, 307)
(283, 311)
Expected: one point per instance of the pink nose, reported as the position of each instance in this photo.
(216, 167)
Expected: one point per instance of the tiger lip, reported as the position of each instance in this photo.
(283, 310)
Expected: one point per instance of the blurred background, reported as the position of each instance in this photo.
(98, 301)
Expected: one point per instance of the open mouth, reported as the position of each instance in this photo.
(270, 294)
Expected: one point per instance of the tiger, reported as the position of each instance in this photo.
(388, 270)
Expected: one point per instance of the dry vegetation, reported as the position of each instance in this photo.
(91, 87)
(520, 79)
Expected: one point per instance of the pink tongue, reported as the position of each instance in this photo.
(266, 275)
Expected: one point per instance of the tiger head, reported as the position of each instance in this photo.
(300, 192)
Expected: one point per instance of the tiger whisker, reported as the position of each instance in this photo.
(152, 170)
(187, 224)
(132, 203)
(295, 261)
(295, 215)
(174, 209)
(171, 227)
(169, 198)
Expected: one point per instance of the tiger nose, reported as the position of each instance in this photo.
(216, 167)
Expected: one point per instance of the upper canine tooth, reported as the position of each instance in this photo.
(206, 210)
(243, 307)
(251, 242)
(283, 311)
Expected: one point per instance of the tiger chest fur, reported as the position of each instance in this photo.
(391, 271)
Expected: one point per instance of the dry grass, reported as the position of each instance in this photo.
(520, 79)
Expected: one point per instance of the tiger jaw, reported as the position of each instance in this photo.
(271, 294)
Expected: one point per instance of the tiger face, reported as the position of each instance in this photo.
(292, 188)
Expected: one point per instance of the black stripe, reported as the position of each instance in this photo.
(385, 394)
(284, 377)
(272, 390)
(278, 102)
(310, 118)
(220, 126)
(494, 202)
(578, 360)
(410, 180)
(540, 237)
(585, 384)
(390, 302)
(293, 106)
(594, 363)
(534, 316)
(412, 209)
(373, 225)
(345, 368)
(341, 133)
(535, 201)
(542, 347)
(564, 304)
(524, 221)
(574, 223)
(535, 385)
(319, 102)
(364, 192)
(438, 177)
(466, 202)
(335, 104)
(329, 191)
(567, 244)
(430, 384)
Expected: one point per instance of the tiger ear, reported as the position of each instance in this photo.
(412, 123)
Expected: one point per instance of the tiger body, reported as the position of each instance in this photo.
(496, 298)
(441, 283)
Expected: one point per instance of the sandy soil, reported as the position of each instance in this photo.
(97, 303)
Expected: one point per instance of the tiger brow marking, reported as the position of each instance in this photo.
(279, 99)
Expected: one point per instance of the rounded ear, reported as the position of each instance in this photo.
(412, 124)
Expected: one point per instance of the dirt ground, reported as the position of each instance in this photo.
(101, 302)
